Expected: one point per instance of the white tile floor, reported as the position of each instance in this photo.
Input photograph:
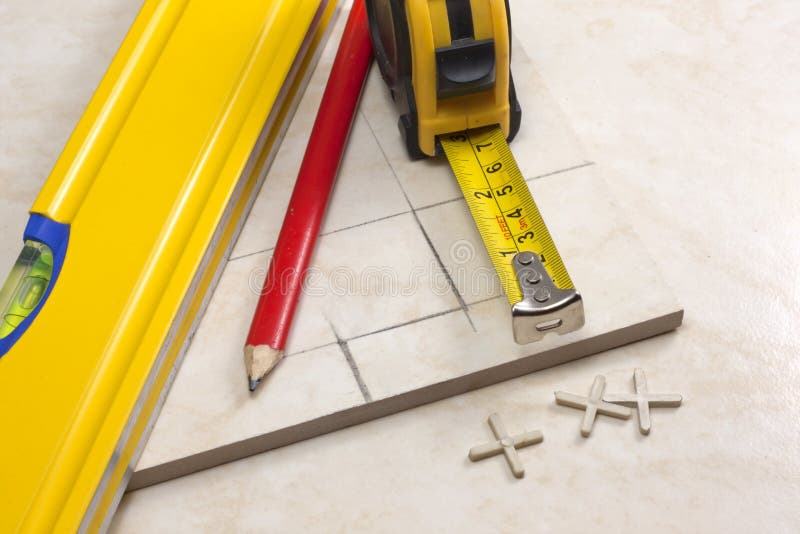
(403, 281)
(690, 112)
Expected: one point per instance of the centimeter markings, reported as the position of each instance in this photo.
(501, 205)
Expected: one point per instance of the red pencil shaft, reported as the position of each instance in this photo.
(301, 225)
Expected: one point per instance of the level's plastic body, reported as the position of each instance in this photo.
(151, 185)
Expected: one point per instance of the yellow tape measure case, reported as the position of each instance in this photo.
(447, 64)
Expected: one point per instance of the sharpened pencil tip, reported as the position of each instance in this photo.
(259, 361)
(254, 383)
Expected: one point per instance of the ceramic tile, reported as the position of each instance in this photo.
(690, 110)
(391, 475)
(358, 284)
(365, 188)
(621, 286)
(212, 385)
(458, 243)
(226, 322)
(424, 181)
(545, 143)
(381, 276)
(13, 217)
(403, 326)
(377, 275)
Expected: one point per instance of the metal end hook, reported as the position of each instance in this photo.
(544, 308)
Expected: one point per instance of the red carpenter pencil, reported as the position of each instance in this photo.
(301, 225)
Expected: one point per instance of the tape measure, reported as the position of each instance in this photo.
(531, 271)
(502, 206)
(447, 65)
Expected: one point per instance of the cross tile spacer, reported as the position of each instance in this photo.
(642, 400)
(505, 444)
(593, 405)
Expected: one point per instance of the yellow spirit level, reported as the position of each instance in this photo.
(126, 240)
(447, 65)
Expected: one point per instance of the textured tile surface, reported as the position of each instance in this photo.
(212, 388)
(620, 285)
(690, 112)
(547, 141)
(398, 256)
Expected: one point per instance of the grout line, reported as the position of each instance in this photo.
(356, 373)
(352, 363)
(440, 203)
(413, 210)
(310, 349)
(407, 323)
(336, 231)
(461, 303)
(234, 258)
(392, 327)
(456, 292)
(553, 173)
(365, 223)
(420, 319)
(487, 299)
(560, 171)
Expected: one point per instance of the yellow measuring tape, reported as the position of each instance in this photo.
(531, 271)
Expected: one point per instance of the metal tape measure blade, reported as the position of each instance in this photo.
(527, 262)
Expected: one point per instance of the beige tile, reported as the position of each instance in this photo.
(365, 190)
(407, 335)
(425, 353)
(13, 217)
(212, 386)
(360, 280)
(365, 187)
(425, 181)
(393, 474)
(545, 143)
(363, 280)
(226, 322)
(690, 109)
(378, 275)
(620, 285)
(458, 243)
